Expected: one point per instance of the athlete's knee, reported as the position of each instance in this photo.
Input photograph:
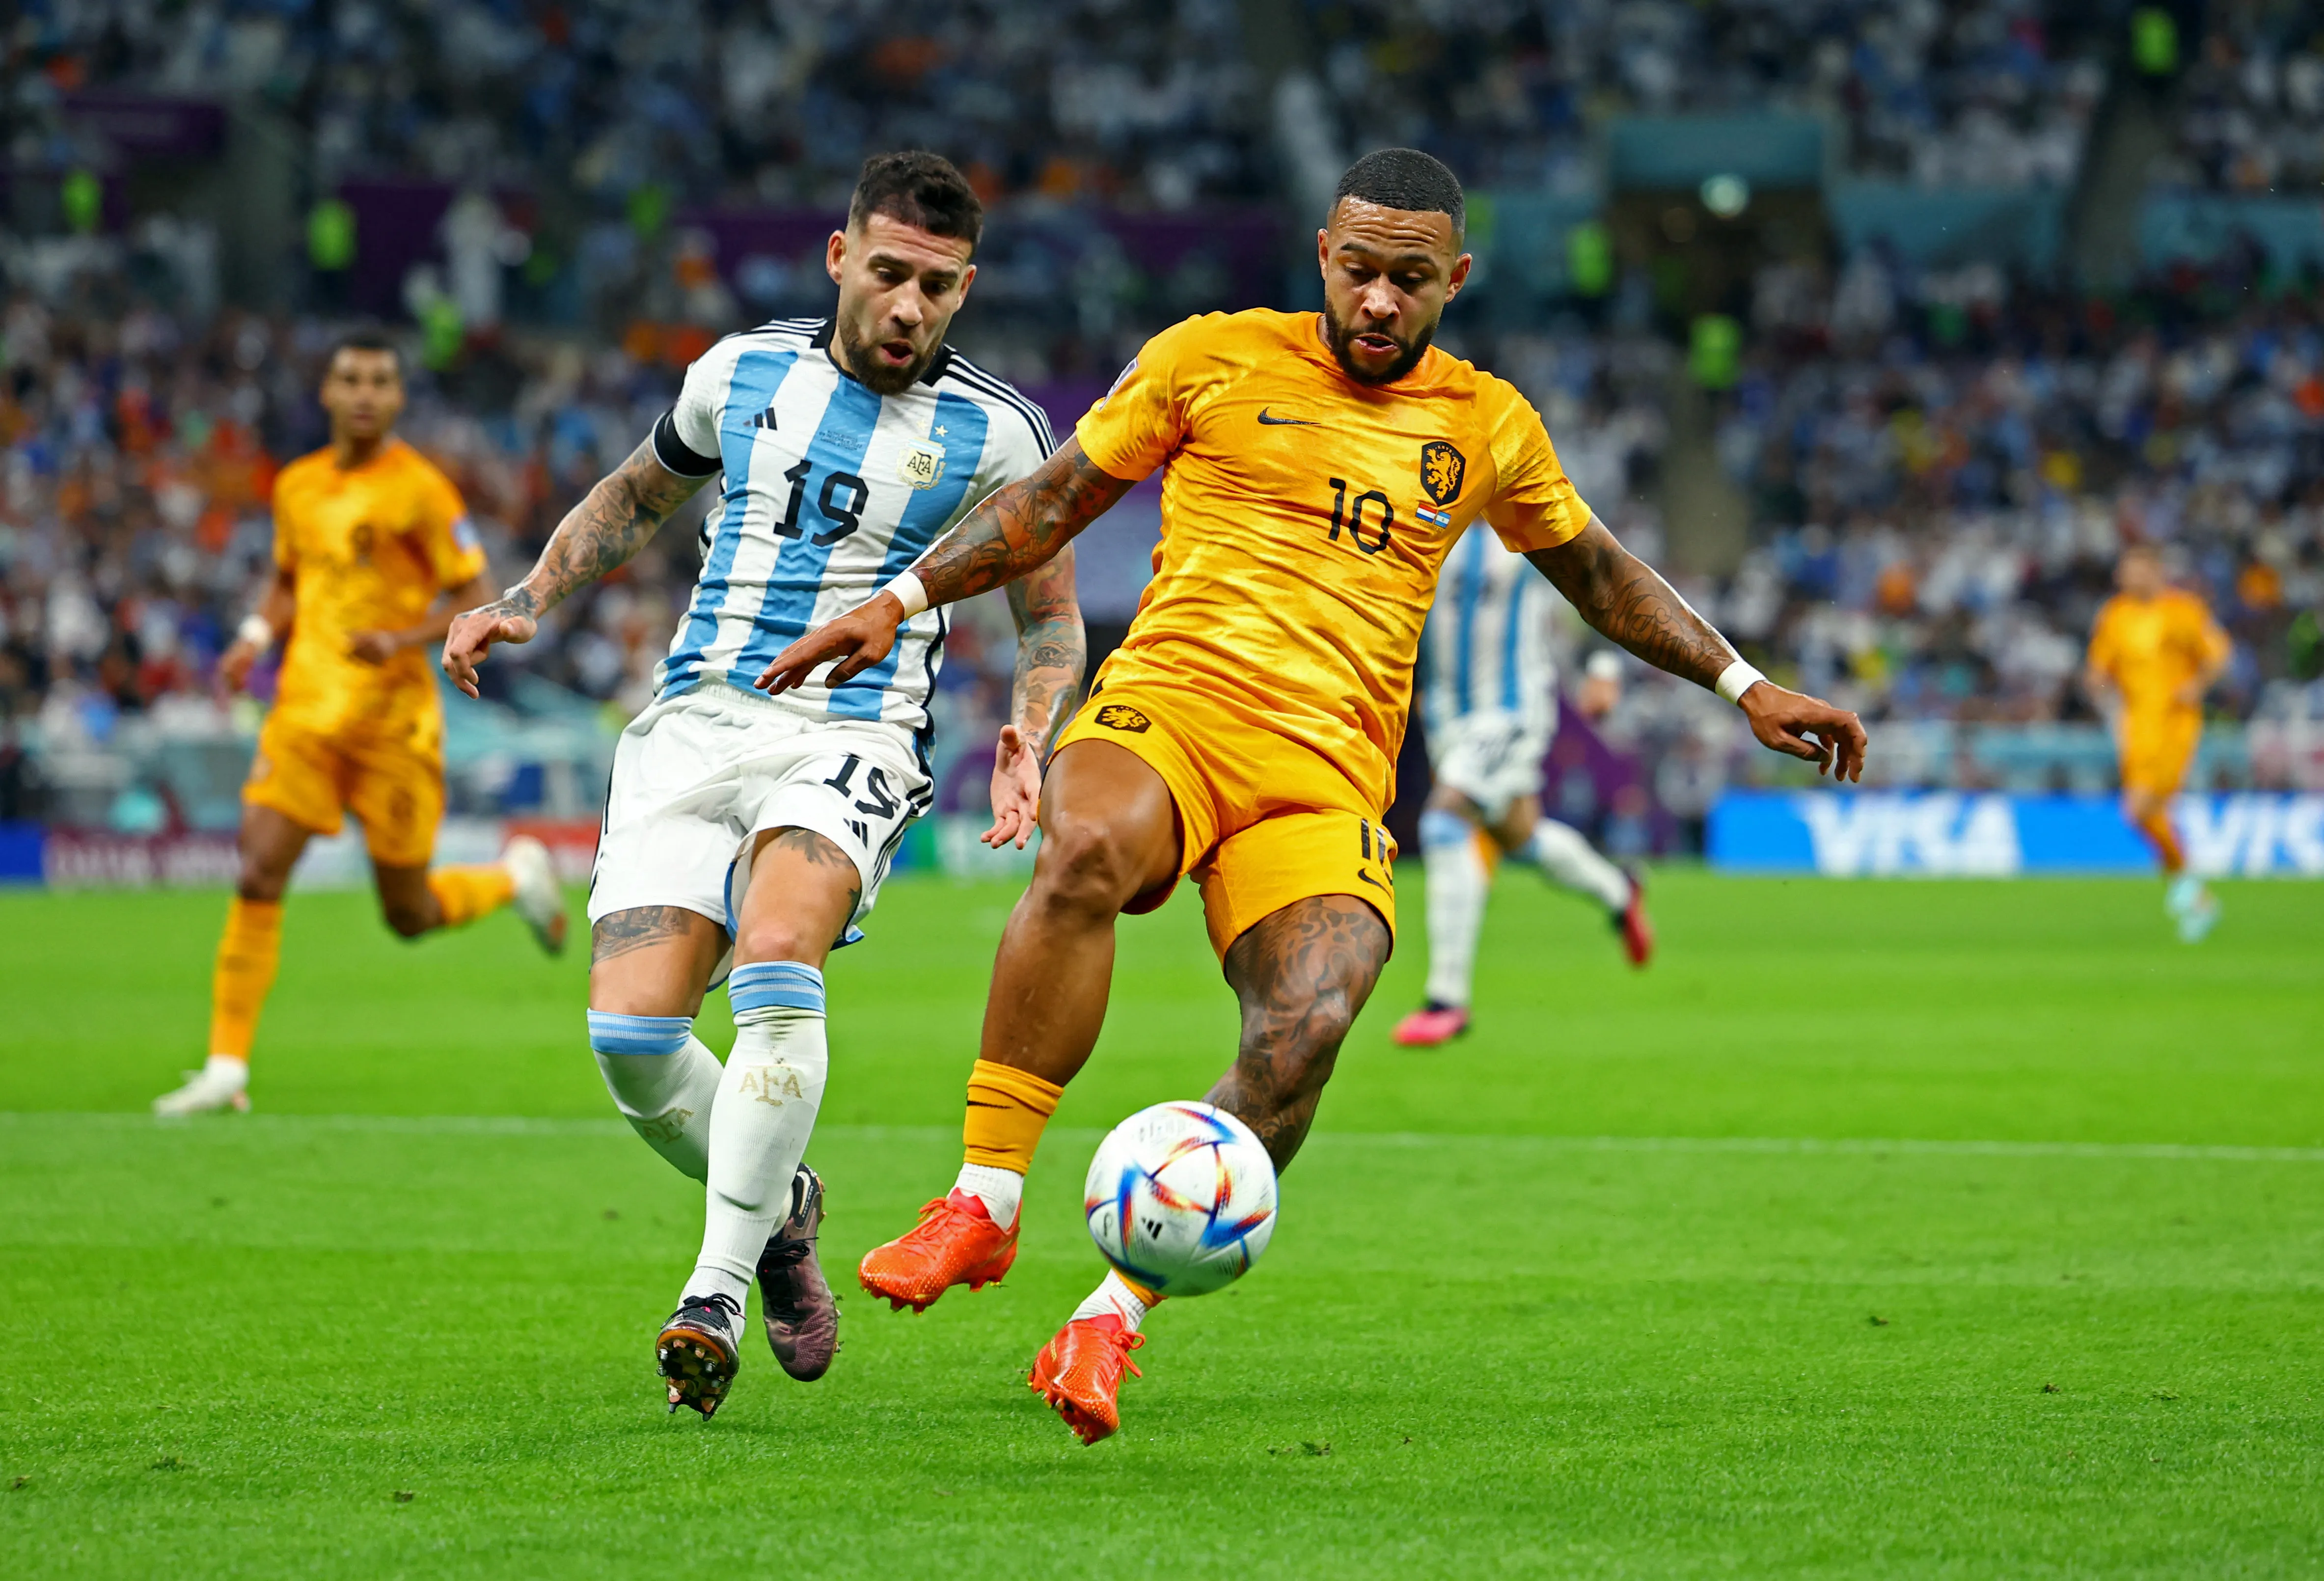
(779, 938)
(1085, 866)
(260, 883)
(407, 918)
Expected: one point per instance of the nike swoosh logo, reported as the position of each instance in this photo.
(1272, 421)
(1368, 879)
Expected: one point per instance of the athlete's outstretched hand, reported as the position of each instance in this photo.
(472, 636)
(1784, 720)
(1016, 790)
(858, 639)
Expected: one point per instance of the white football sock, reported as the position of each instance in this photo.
(1561, 852)
(1115, 1297)
(765, 1112)
(1001, 1191)
(1457, 886)
(663, 1079)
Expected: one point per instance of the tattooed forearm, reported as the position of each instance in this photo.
(1620, 595)
(624, 931)
(611, 524)
(1020, 527)
(1051, 649)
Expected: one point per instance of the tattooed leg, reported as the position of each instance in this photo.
(652, 960)
(1303, 973)
(803, 891)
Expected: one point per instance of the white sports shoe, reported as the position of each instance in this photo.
(539, 898)
(2196, 922)
(220, 1084)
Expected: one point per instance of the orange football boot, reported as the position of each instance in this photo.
(1079, 1373)
(1632, 924)
(954, 1242)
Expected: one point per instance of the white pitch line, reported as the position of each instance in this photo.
(225, 1126)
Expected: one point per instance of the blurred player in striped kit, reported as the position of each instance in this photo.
(1488, 696)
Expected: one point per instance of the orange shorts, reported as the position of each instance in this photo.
(395, 787)
(1267, 820)
(2157, 748)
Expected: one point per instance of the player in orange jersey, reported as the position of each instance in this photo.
(369, 541)
(2154, 652)
(1319, 469)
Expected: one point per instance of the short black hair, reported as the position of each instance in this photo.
(365, 340)
(1407, 179)
(921, 189)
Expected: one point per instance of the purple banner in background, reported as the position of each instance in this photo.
(395, 227)
(144, 127)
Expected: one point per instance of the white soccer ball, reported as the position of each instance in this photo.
(1181, 1198)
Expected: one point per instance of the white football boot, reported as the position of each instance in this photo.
(539, 898)
(220, 1084)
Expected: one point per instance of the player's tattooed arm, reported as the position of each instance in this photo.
(1018, 527)
(1623, 598)
(1052, 652)
(612, 523)
(1051, 649)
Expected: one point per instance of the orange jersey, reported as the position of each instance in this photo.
(1304, 519)
(371, 549)
(2151, 648)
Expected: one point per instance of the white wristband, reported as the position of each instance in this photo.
(256, 631)
(1736, 679)
(909, 593)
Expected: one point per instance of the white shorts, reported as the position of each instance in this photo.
(1492, 757)
(697, 775)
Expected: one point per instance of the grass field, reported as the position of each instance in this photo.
(1882, 1229)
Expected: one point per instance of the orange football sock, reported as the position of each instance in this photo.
(247, 957)
(1007, 1111)
(2165, 838)
(465, 894)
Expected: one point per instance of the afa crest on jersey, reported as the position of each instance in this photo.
(1442, 470)
(921, 465)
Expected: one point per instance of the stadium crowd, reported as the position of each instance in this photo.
(1943, 465)
(1987, 93)
(1939, 464)
(1148, 104)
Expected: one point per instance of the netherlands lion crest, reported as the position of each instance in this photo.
(1120, 716)
(1441, 468)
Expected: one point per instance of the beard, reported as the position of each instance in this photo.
(872, 372)
(1408, 353)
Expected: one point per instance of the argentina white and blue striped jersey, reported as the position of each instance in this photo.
(827, 492)
(1486, 647)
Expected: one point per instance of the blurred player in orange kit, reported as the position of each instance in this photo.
(369, 539)
(2154, 652)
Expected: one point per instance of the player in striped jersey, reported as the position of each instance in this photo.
(755, 830)
(1488, 698)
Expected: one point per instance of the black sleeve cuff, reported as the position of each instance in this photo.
(673, 453)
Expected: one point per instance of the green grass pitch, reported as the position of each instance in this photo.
(1880, 1229)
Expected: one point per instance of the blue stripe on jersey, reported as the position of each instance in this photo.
(796, 578)
(1509, 640)
(750, 391)
(963, 422)
(1472, 586)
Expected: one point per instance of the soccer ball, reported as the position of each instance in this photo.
(1181, 1198)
